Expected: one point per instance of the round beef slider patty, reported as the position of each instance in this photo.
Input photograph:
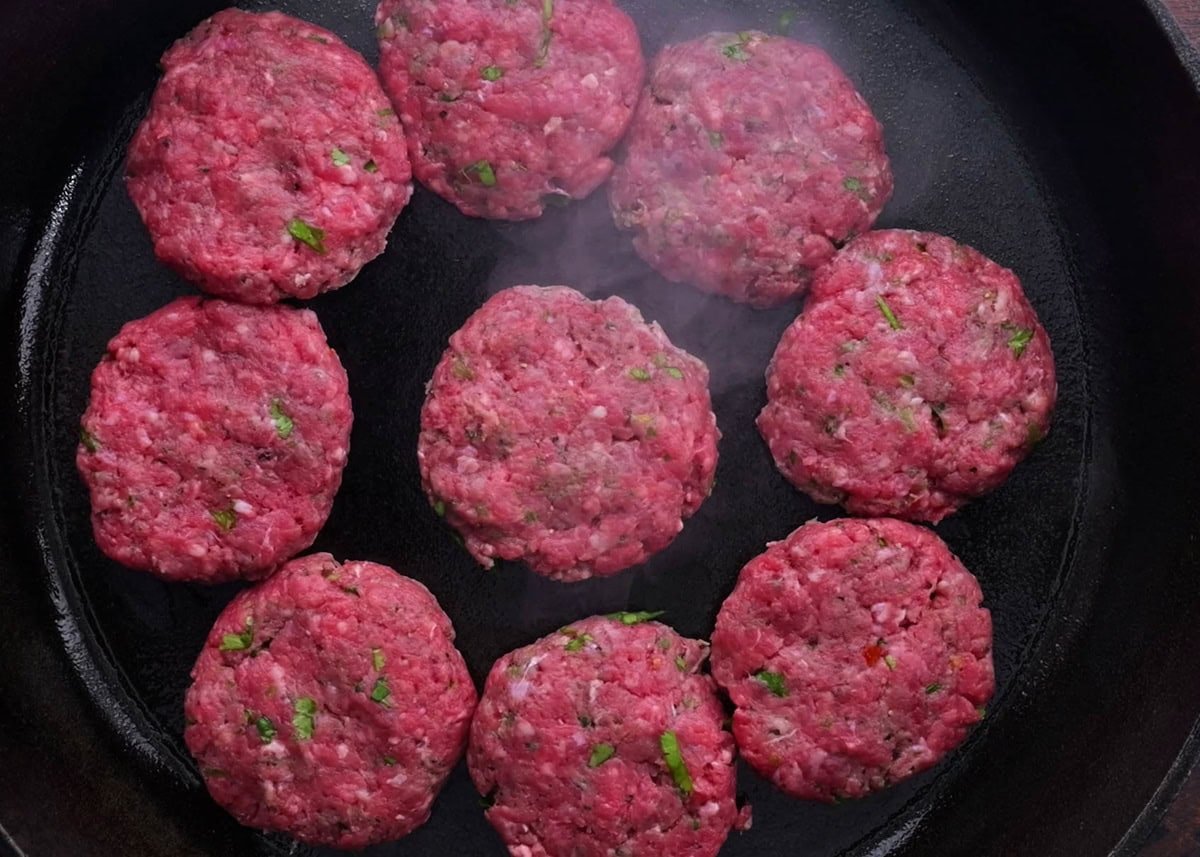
(510, 103)
(330, 703)
(566, 432)
(214, 440)
(271, 164)
(751, 157)
(917, 377)
(857, 654)
(604, 738)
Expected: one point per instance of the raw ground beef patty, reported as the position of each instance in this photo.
(271, 164)
(330, 703)
(857, 654)
(750, 158)
(916, 378)
(566, 432)
(509, 104)
(605, 738)
(214, 440)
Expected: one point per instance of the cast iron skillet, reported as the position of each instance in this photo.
(1059, 138)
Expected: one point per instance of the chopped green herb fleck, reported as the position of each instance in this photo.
(774, 682)
(439, 508)
(283, 423)
(601, 753)
(492, 72)
(483, 169)
(544, 48)
(907, 380)
(786, 20)
(578, 642)
(935, 411)
(716, 139)
(488, 800)
(387, 111)
(266, 729)
(88, 440)
(674, 372)
(839, 370)
(982, 712)
(304, 720)
(637, 373)
(1020, 340)
(460, 370)
(371, 167)
(380, 692)
(856, 187)
(586, 722)
(628, 618)
(735, 51)
(238, 642)
(893, 322)
(339, 157)
(226, 519)
(389, 760)
(308, 234)
(448, 97)
(1034, 434)
(529, 517)
(320, 40)
(906, 417)
(674, 759)
(681, 664)
(377, 659)
(933, 688)
(890, 661)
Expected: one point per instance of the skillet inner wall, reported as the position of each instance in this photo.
(964, 166)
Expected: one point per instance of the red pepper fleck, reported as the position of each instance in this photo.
(872, 655)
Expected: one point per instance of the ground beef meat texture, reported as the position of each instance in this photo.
(270, 165)
(329, 703)
(916, 378)
(510, 105)
(567, 433)
(857, 654)
(750, 159)
(605, 739)
(214, 440)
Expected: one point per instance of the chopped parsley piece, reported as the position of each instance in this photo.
(577, 642)
(439, 508)
(637, 373)
(339, 157)
(601, 753)
(226, 519)
(266, 729)
(238, 642)
(907, 380)
(448, 98)
(488, 800)
(88, 440)
(380, 692)
(304, 720)
(735, 51)
(1020, 340)
(674, 759)
(681, 664)
(389, 760)
(890, 661)
(483, 169)
(283, 423)
(856, 187)
(674, 372)
(586, 722)
(371, 167)
(774, 682)
(627, 618)
(308, 234)
(387, 111)
(716, 139)
(461, 370)
(377, 660)
(529, 517)
(1034, 434)
(932, 688)
(492, 72)
(786, 20)
(893, 322)
(544, 48)
(320, 40)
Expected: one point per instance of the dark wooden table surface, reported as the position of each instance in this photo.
(1187, 13)
(1178, 835)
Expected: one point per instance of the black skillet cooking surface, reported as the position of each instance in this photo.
(1062, 142)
